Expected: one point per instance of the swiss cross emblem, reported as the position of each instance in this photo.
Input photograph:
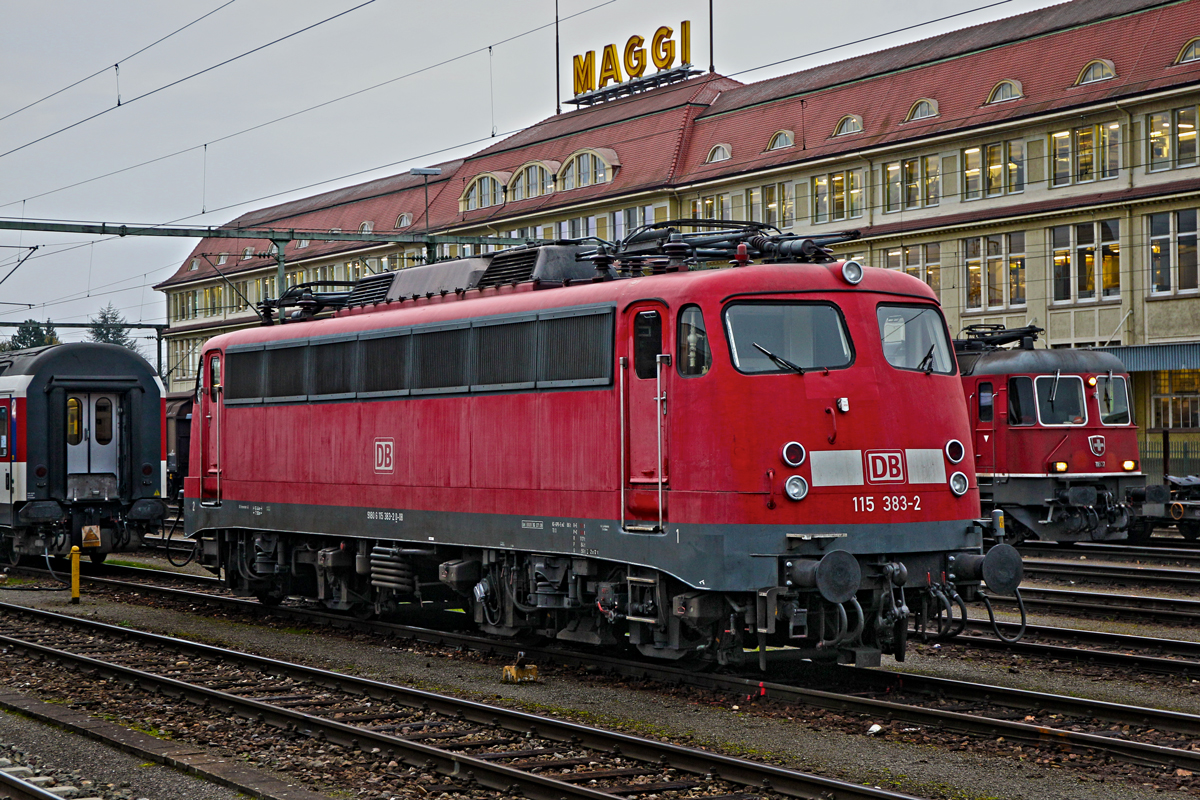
(1097, 445)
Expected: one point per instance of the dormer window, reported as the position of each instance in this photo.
(221, 259)
(922, 109)
(1099, 70)
(1005, 90)
(195, 265)
(1190, 51)
(781, 140)
(333, 230)
(721, 152)
(404, 220)
(483, 192)
(851, 123)
(533, 180)
(300, 243)
(582, 170)
(247, 253)
(366, 227)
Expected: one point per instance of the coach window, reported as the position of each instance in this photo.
(104, 421)
(647, 343)
(214, 377)
(985, 402)
(74, 421)
(4, 432)
(1020, 401)
(1060, 399)
(695, 355)
(1113, 399)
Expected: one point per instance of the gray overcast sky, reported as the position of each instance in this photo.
(437, 114)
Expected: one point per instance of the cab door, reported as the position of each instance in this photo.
(985, 427)
(211, 425)
(646, 373)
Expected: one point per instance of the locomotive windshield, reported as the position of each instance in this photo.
(914, 337)
(800, 336)
(1060, 400)
(1113, 400)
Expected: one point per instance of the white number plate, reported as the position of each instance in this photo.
(865, 504)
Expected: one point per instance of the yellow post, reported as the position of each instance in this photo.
(75, 575)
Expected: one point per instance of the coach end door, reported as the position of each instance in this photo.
(7, 457)
(646, 372)
(211, 424)
(93, 444)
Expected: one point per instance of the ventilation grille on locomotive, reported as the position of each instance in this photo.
(333, 367)
(513, 266)
(243, 375)
(286, 372)
(371, 289)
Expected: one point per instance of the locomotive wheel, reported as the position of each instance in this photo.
(97, 558)
(269, 599)
(363, 611)
(8, 552)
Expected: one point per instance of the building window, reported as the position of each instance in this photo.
(1172, 139)
(301, 243)
(577, 228)
(533, 181)
(1175, 398)
(837, 196)
(404, 220)
(1173, 251)
(922, 109)
(773, 204)
(627, 220)
(482, 193)
(247, 253)
(781, 140)
(716, 206)
(995, 271)
(583, 170)
(912, 183)
(1099, 70)
(721, 152)
(1085, 154)
(1190, 51)
(994, 169)
(195, 265)
(1005, 90)
(922, 261)
(1086, 259)
(221, 259)
(851, 123)
(366, 227)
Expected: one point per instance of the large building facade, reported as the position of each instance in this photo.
(1043, 169)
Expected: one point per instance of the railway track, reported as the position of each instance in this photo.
(1080, 571)
(1174, 554)
(471, 743)
(13, 787)
(1080, 726)
(1137, 608)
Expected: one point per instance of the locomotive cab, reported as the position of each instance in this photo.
(1055, 441)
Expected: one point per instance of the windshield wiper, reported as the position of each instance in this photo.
(1054, 386)
(928, 357)
(783, 362)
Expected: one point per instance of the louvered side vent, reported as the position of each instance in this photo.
(514, 266)
(371, 289)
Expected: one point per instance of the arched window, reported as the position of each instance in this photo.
(404, 220)
(584, 169)
(247, 253)
(1190, 51)
(366, 227)
(1099, 70)
(851, 123)
(533, 180)
(922, 109)
(483, 192)
(301, 243)
(195, 265)
(221, 259)
(781, 140)
(1005, 90)
(721, 152)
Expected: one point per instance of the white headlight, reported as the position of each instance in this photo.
(959, 484)
(796, 487)
(852, 271)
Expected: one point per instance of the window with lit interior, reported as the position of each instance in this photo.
(851, 123)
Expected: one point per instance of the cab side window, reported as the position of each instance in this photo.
(647, 346)
(694, 353)
(1021, 410)
(214, 377)
(986, 402)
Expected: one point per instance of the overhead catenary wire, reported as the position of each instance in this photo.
(187, 78)
(117, 64)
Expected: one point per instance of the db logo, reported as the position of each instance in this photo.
(385, 455)
(885, 466)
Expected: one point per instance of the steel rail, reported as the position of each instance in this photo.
(1111, 573)
(14, 788)
(1104, 551)
(1125, 606)
(702, 762)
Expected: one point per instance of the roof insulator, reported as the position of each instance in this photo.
(429, 295)
(444, 292)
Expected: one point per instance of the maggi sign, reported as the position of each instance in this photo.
(662, 53)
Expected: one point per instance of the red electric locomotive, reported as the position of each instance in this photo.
(1055, 443)
(606, 444)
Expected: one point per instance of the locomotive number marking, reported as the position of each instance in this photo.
(889, 502)
(386, 516)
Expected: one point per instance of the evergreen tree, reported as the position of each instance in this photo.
(110, 327)
(33, 334)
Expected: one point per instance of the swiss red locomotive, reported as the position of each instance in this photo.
(81, 450)
(1055, 442)
(606, 444)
